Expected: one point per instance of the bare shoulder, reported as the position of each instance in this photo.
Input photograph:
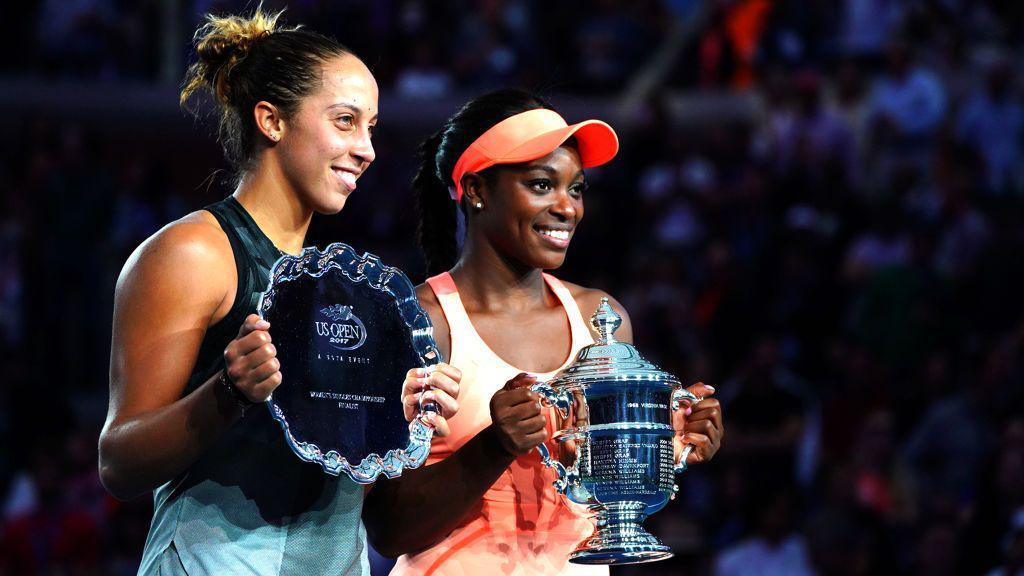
(588, 299)
(190, 257)
(432, 306)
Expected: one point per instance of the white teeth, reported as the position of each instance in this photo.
(557, 234)
(348, 178)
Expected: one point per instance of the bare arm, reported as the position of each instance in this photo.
(173, 287)
(423, 506)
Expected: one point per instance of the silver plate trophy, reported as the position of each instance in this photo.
(347, 328)
(615, 453)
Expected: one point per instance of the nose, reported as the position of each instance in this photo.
(565, 206)
(363, 149)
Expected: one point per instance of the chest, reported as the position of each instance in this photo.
(534, 342)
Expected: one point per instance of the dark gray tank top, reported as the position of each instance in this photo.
(249, 505)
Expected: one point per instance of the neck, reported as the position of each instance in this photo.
(275, 206)
(491, 281)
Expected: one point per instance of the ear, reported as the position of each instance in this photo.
(269, 121)
(473, 190)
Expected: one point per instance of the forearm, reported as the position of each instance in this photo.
(140, 453)
(423, 506)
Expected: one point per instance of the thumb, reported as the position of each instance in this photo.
(701, 390)
(252, 322)
(522, 380)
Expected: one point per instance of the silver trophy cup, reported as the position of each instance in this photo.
(614, 446)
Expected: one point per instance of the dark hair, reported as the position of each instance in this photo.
(438, 219)
(245, 60)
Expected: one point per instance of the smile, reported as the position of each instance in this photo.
(556, 237)
(347, 178)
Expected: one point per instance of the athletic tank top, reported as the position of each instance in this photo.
(249, 505)
(521, 526)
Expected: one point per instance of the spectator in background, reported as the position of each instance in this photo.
(867, 26)
(991, 123)
(906, 107)
(886, 244)
(775, 548)
(766, 440)
(1013, 546)
(55, 535)
(937, 550)
(424, 78)
(808, 136)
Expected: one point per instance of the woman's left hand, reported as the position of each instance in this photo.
(699, 424)
(439, 383)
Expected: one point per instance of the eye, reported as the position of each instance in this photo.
(578, 189)
(541, 184)
(372, 129)
(346, 121)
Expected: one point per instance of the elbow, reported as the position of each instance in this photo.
(384, 540)
(112, 473)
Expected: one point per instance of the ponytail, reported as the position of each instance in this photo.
(436, 229)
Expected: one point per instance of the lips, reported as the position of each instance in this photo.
(556, 237)
(346, 177)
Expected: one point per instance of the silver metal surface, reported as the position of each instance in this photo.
(615, 443)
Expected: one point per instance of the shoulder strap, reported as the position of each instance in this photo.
(451, 304)
(581, 335)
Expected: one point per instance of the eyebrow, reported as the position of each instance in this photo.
(549, 169)
(358, 111)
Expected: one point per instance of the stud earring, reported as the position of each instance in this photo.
(275, 137)
(479, 205)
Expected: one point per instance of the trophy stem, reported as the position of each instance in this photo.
(620, 538)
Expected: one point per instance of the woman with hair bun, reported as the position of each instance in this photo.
(508, 170)
(188, 353)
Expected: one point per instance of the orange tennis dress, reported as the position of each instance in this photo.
(521, 526)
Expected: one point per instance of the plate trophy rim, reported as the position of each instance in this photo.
(390, 280)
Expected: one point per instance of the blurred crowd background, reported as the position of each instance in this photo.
(818, 208)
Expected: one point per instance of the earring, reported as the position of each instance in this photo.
(478, 205)
(275, 137)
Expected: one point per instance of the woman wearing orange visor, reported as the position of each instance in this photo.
(509, 170)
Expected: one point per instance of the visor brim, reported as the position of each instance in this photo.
(596, 141)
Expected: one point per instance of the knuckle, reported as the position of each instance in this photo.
(275, 364)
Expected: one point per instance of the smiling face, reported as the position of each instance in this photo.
(326, 145)
(531, 210)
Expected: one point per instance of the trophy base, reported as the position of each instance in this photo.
(620, 538)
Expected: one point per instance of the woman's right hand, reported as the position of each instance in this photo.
(251, 360)
(517, 415)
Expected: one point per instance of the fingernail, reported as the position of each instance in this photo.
(420, 372)
(689, 411)
(710, 388)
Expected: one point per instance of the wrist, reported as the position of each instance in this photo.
(493, 446)
(233, 394)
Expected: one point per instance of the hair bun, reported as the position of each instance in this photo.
(221, 43)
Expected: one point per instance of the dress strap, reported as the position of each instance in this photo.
(447, 294)
(581, 334)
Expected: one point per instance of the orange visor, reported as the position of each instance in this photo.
(530, 135)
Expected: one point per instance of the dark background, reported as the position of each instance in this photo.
(817, 208)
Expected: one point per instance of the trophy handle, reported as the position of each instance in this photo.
(562, 402)
(678, 395)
